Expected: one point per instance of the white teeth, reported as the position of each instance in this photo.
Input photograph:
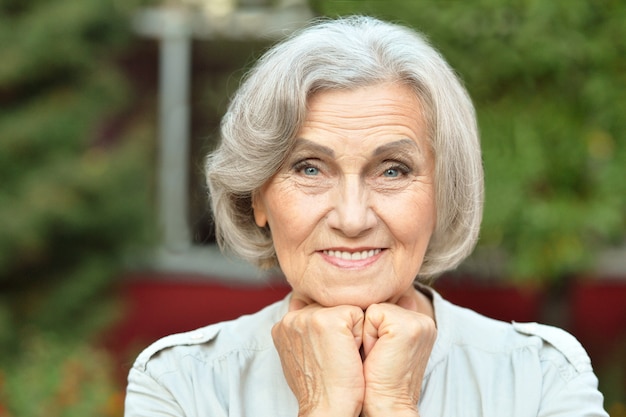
(352, 256)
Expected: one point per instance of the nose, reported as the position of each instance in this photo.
(352, 213)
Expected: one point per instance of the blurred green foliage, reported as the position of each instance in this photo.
(548, 80)
(74, 196)
(53, 378)
(612, 380)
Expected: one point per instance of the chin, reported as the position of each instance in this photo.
(361, 301)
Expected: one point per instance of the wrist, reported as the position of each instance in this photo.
(335, 408)
(389, 410)
(391, 413)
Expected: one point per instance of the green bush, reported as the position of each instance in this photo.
(52, 377)
(74, 199)
(547, 79)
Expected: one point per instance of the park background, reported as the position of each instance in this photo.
(93, 268)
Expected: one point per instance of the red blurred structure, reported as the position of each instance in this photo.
(157, 306)
(598, 314)
(160, 305)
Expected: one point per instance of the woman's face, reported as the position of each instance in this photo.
(353, 208)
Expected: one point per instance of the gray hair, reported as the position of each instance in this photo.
(269, 108)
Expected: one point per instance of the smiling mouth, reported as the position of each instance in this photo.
(352, 256)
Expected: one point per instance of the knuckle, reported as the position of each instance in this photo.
(422, 327)
(374, 309)
(292, 321)
(320, 320)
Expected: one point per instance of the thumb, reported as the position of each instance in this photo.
(357, 317)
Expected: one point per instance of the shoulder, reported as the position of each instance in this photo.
(556, 346)
(545, 345)
(544, 365)
(246, 333)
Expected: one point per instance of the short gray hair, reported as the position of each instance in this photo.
(266, 113)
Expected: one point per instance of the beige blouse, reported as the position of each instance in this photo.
(478, 367)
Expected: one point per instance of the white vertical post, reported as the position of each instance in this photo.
(175, 27)
(173, 156)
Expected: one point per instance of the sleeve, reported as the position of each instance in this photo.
(160, 382)
(578, 397)
(146, 397)
(569, 386)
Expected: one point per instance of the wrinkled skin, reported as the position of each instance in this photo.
(320, 347)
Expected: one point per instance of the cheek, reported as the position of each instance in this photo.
(293, 224)
(412, 219)
(292, 219)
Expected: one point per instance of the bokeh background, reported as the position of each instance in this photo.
(98, 255)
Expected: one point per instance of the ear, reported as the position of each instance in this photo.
(259, 210)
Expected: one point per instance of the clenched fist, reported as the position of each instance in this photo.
(343, 361)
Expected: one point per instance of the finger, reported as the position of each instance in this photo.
(374, 316)
(346, 320)
(357, 317)
(397, 321)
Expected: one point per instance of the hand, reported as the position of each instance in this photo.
(319, 353)
(397, 342)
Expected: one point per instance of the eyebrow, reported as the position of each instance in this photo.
(397, 146)
(301, 143)
(392, 147)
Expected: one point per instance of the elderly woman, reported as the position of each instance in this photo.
(350, 159)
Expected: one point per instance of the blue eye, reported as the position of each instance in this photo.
(311, 171)
(396, 169)
(306, 167)
(391, 173)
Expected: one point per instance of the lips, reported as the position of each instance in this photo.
(352, 256)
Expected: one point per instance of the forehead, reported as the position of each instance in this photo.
(377, 113)
(366, 101)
